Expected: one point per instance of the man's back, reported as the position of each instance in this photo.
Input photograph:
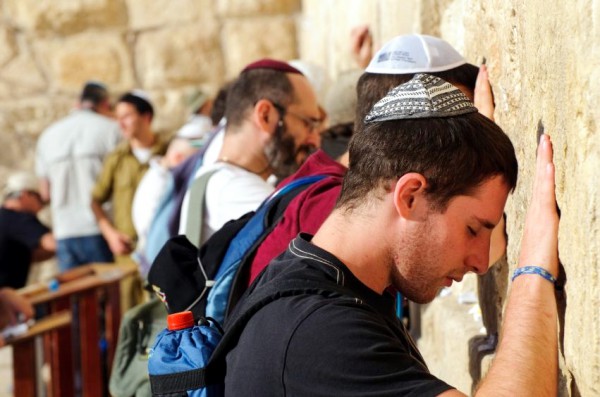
(69, 155)
(349, 344)
(20, 234)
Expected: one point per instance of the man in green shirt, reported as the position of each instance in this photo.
(123, 169)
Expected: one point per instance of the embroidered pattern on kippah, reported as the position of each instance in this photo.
(424, 96)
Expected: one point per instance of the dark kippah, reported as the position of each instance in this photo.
(272, 64)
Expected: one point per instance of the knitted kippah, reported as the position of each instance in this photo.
(272, 64)
(424, 96)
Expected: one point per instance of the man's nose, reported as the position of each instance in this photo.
(314, 138)
(478, 260)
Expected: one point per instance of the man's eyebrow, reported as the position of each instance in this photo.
(486, 223)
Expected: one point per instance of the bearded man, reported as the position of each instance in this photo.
(273, 119)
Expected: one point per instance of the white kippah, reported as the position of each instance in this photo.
(141, 94)
(415, 53)
(424, 96)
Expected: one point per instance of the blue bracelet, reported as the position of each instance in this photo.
(540, 271)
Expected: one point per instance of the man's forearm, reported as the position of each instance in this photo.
(104, 223)
(527, 359)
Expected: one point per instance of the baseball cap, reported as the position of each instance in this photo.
(21, 181)
(415, 53)
(424, 96)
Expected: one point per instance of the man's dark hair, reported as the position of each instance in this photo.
(252, 86)
(218, 109)
(141, 105)
(94, 94)
(455, 154)
(372, 87)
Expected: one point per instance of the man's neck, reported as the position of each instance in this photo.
(13, 205)
(359, 240)
(243, 149)
(145, 140)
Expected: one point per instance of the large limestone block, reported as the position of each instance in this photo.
(319, 43)
(400, 17)
(99, 56)
(240, 8)
(21, 122)
(145, 14)
(179, 56)
(8, 45)
(254, 38)
(66, 16)
(21, 77)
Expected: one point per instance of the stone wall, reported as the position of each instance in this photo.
(543, 56)
(49, 48)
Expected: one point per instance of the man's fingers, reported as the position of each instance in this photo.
(544, 185)
(484, 98)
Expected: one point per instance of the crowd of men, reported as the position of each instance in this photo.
(409, 205)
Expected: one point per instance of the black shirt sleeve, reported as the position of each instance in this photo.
(28, 230)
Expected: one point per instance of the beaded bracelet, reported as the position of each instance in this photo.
(540, 271)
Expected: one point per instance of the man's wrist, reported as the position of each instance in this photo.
(534, 270)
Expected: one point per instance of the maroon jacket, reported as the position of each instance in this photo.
(306, 212)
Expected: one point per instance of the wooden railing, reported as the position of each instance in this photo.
(79, 330)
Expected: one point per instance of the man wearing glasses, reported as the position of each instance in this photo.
(273, 123)
(23, 238)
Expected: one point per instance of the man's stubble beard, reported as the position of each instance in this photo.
(282, 154)
(411, 265)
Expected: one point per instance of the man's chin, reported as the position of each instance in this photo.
(422, 297)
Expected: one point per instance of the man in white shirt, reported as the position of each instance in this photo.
(69, 157)
(272, 120)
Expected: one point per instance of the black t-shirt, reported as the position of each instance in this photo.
(312, 345)
(20, 234)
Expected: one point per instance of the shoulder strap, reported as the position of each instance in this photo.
(239, 255)
(194, 220)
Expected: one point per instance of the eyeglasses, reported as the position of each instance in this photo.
(310, 123)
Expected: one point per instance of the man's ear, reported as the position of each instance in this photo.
(265, 116)
(409, 196)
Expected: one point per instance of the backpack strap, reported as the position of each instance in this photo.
(195, 220)
(240, 249)
(178, 383)
(271, 213)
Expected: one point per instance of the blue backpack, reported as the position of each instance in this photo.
(209, 281)
(191, 362)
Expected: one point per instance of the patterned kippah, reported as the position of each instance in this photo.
(424, 96)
